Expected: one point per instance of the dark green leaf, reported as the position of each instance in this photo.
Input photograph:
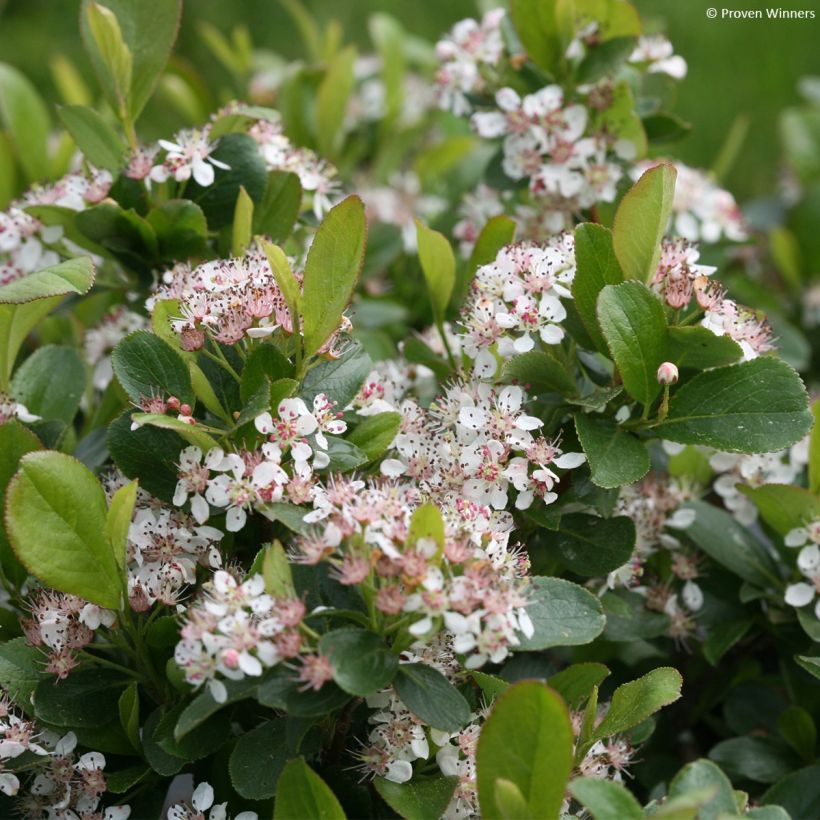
(301, 793)
(539, 372)
(699, 348)
(257, 760)
(575, 683)
(181, 229)
(615, 456)
(339, 378)
(431, 697)
(590, 546)
(605, 799)
(146, 366)
(50, 383)
(361, 662)
(276, 214)
(87, 698)
(375, 434)
(418, 799)
(94, 137)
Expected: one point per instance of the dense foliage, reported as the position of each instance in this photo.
(416, 439)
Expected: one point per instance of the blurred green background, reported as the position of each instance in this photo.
(736, 67)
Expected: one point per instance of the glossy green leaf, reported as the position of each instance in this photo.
(615, 456)
(797, 793)
(257, 760)
(375, 433)
(641, 221)
(537, 27)
(332, 269)
(72, 276)
(539, 372)
(56, 517)
(50, 383)
(697, 347)
(339, 378)
(758, 406)
(590, 546)
(431, 697)
(703, 774)
(634, 326)
(361, 662)
(528, 741)
(418, 799)
(605, 799)
(146, 366)
(596, 267)
(301, 793)
(562, 613)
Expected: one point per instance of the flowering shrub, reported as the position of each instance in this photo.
(314, 510)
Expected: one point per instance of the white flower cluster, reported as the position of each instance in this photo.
(100, 340)
(805, 592)
(202, 800)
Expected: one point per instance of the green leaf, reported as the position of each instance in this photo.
(720, 641)
(431, 697)
(129, 709)
(339, 378)
(420, 798)
(797, 793)
(703, 774)
(344, 456)
(301, 793)
(753, 407)
(810, 664)
(181, 229)
(361, 662)
(332, 269)
(537, 27)
(55, 518)
(282, 273)
(604, 59)
(615, 456)
(191, 433)
(782, 506)
(149, 29)
(21, 669)
(50, 383)
(122, 232)
(25, 117)
(426, 522)
(72, 276)
(97, 140)
(247, 170)
(438, 264)
(496, 233)
(634, 326)
(697, 347)
(760, 759)
(257, 760)
(331, 102)
(605, 799)
(279, 208)
(635, 701)
(562, 613)
(276, 572)
(590, 546)
(797, 727)
(111, 57)
(146, 366)
(490, 685)
(539, 372)
(375, 433)
(242, 223)
(596, 267)
(641, 221)
(814, 451)
(527, 740)
(265, 361)
(124, 780)
(118, 521)
(203, 706)
(664, 127)
(575, 683)
(88, 698)
(509, 801)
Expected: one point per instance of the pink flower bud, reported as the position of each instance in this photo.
(230, 657)
(667, 373)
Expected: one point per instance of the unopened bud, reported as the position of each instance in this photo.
(185, 409)
(667, 373)
(173, 403)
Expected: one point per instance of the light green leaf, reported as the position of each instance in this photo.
(510, 802)
(641, 221)
(192, 433)
(331, 102)
(537, 27)
(282, 273)
(281, 202)
(418, 799)
(718, 534)
(242, 223)
(361, 662)
(814, 450)
(703, 774)
(615, 456)
(276, 572)
(562, 613)
(56, 519)
(94, 137)
(783, 506)
(634, 326)
(72, 276)
(438, 264)
(25, 116)
(301, 793)
(575, 683)
(431, 697)
(753, 407)
(528, 741)
(596, 267)
(149, 29)
(332, 269)
(590, 546)
(118, 520)
(111, 57)
(633, 702)
(426, 522)
(605, 799)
